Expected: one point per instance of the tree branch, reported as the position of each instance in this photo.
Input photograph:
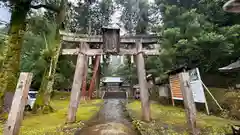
(48, 7)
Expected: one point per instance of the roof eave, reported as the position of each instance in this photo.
(232, 6)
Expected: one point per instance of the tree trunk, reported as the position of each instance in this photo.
(52, 70)
(43, 98)
(48, 79)
(10, 67)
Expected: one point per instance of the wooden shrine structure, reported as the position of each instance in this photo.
(109, 43)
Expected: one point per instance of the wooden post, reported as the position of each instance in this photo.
(76, 86)
(189, 104)
(144, 95)
(173, 103)
(84, 85)
(98, 80)
(91, 87)
(206, 103)
(206, 107)
(18, 104)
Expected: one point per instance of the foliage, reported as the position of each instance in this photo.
(46, 87)
(37, 50)
(128, 72)
(3, 38)
(91, 17)
(10, 65)
(197, 33)
(129, 14)
(135, 15)
(232, 103)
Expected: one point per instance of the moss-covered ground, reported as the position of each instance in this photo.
(172, 121)
(54, 123)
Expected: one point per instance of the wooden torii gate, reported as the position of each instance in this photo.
(109, 43)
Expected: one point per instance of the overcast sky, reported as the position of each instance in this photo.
(5, 14)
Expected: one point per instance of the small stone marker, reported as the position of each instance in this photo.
(15, 116)
(189, 104)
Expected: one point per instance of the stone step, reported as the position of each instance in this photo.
(110, 95)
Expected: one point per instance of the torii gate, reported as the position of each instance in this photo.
(108, 43)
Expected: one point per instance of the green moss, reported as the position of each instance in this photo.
(57, 95)
(175, 117)
(54, 123)
(9, 70)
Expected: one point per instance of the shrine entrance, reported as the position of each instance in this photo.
(109, 43)
(111, 88)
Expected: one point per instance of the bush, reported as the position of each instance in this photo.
(231, 103)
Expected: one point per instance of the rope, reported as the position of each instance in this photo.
(139, 52)
(83, 53)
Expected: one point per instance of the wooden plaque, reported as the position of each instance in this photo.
(111, 40)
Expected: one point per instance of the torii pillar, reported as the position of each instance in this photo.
(144, 95)
(77, 84)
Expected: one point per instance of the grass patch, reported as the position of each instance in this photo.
(173, 117)
(54, 123)
(60, 95)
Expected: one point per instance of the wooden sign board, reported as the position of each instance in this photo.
(111, 40)
(195, 84)
(175, 87)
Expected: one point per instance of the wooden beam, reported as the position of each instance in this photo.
(70, 51)
(93, 52)
(15, 116)
(139, 36)
(76, 86)
(189, 103)
(144, 95)
(73, 37)
(99, 40)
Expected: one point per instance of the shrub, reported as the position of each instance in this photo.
(231, 103)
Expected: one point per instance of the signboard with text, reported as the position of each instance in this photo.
(195, 84)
